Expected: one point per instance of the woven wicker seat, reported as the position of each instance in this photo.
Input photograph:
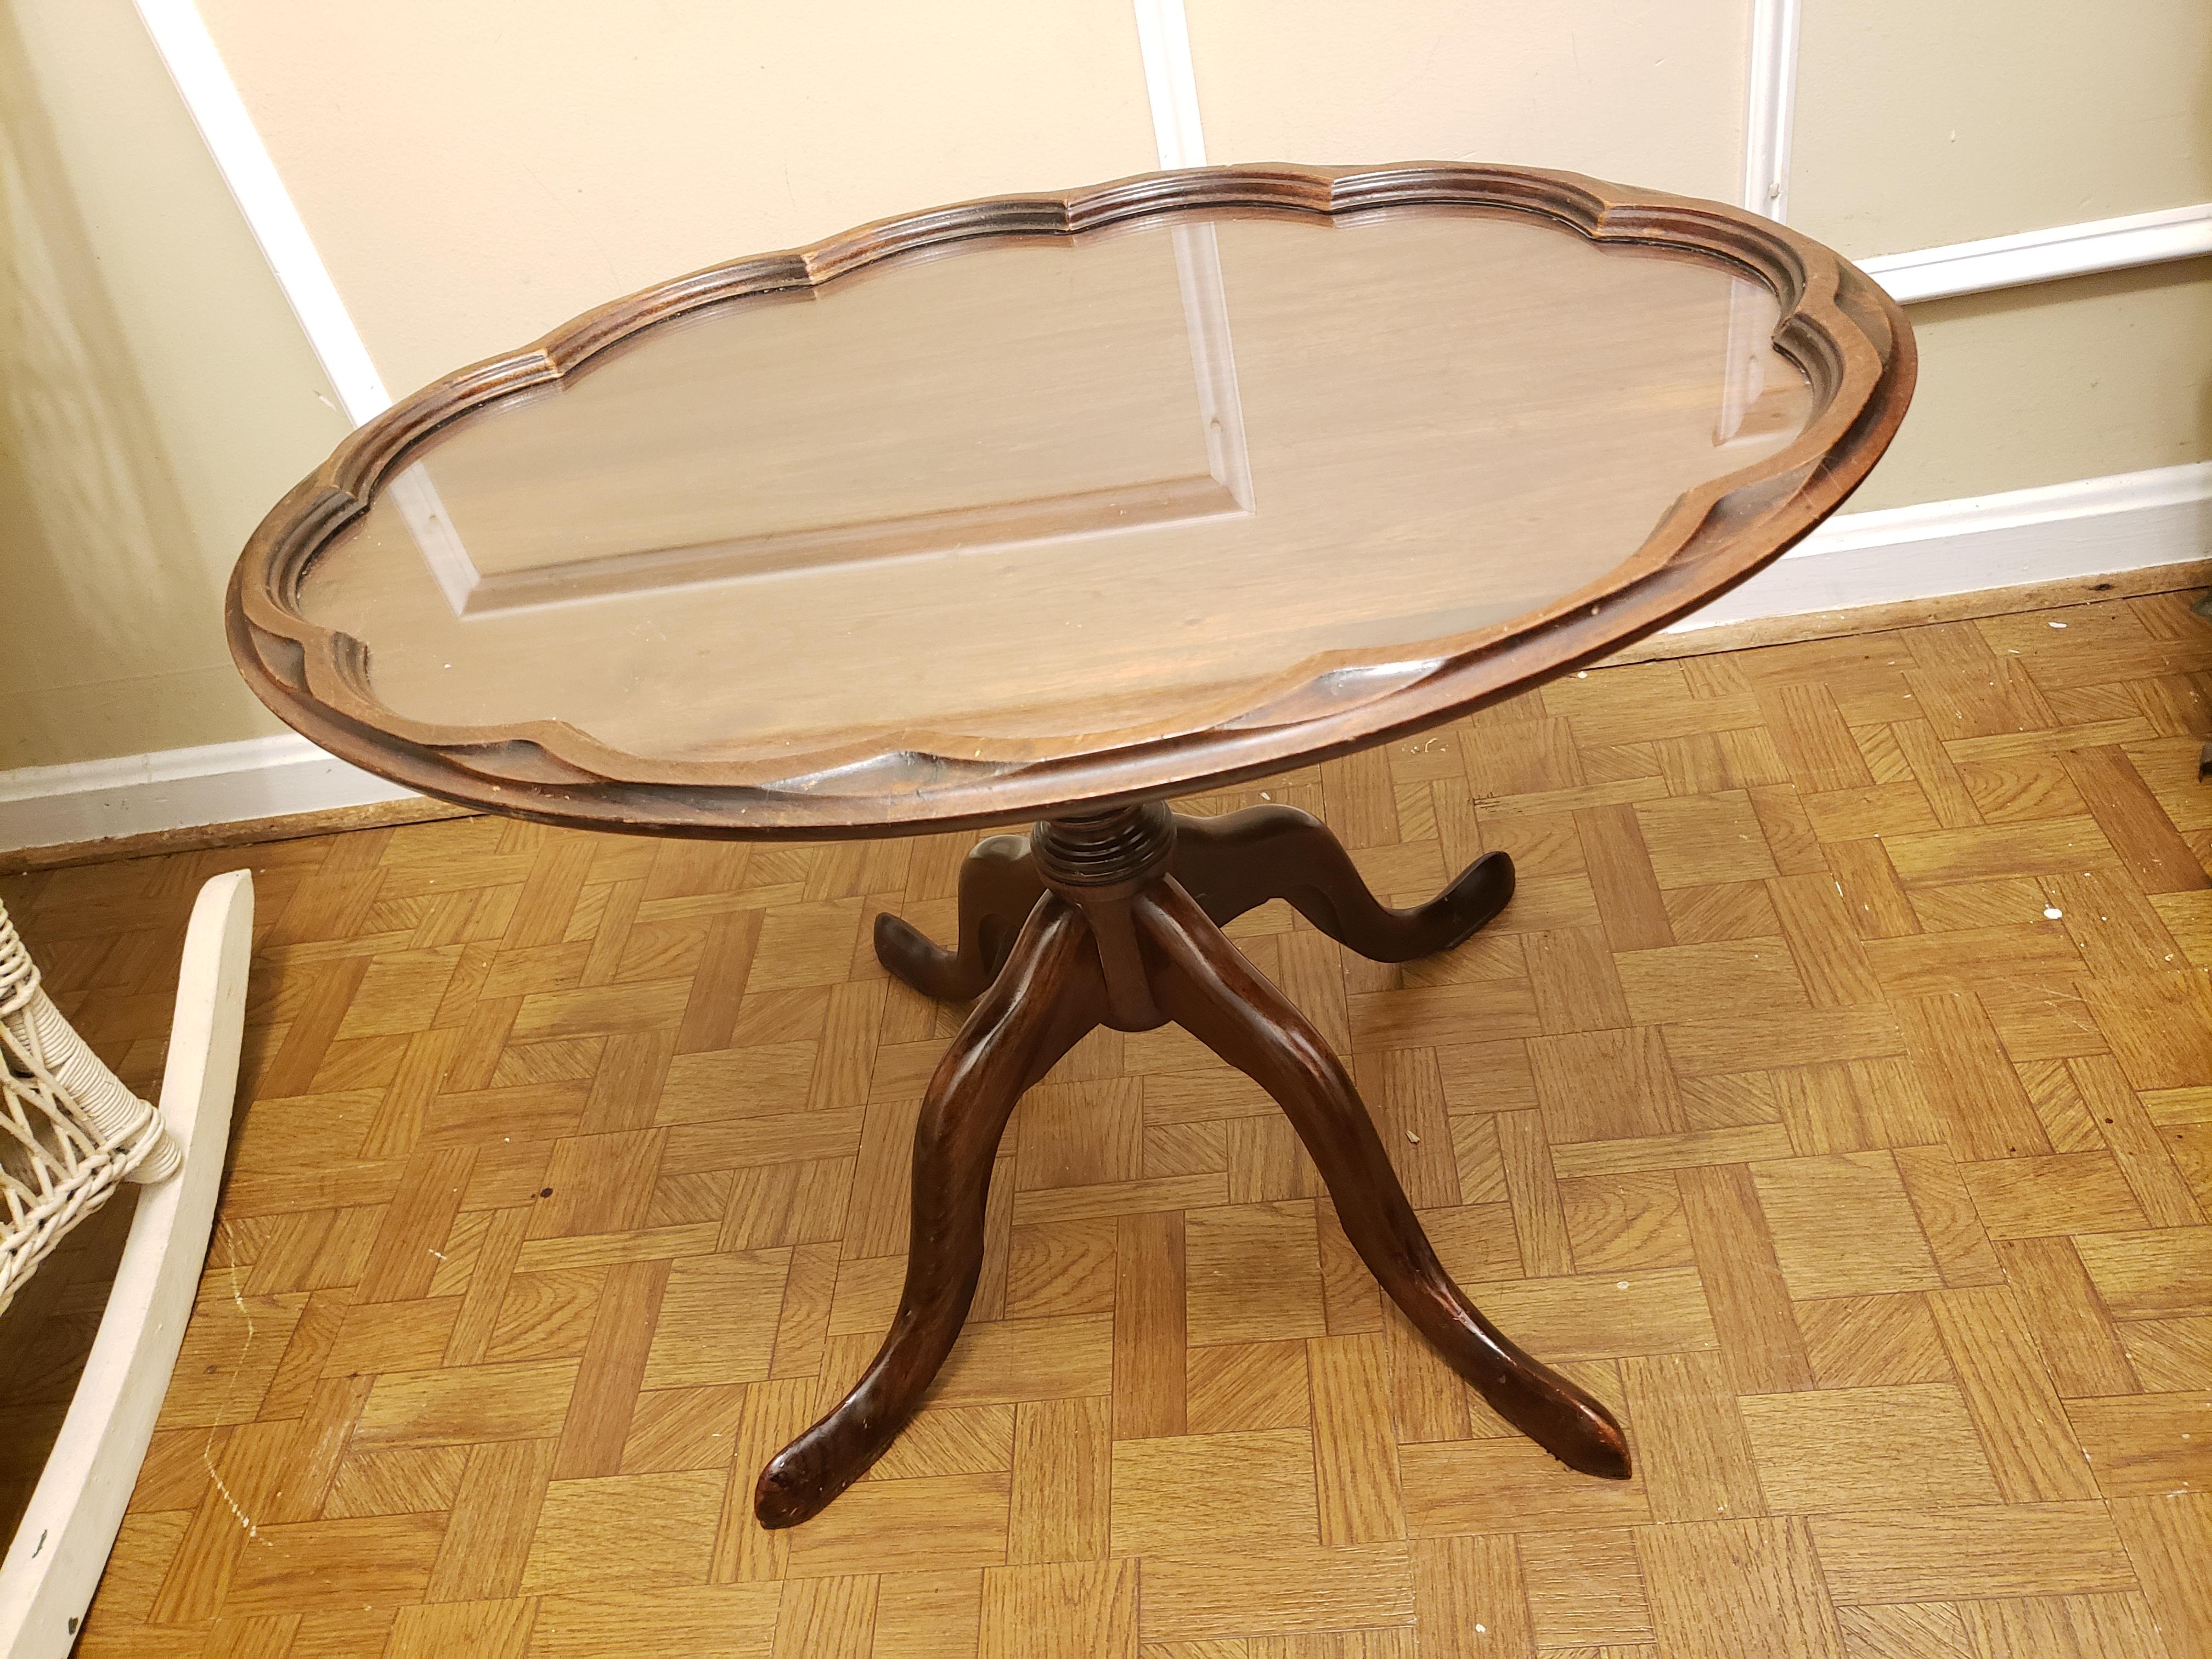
(70, 1131)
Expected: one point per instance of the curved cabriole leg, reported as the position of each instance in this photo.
(1049, 996)
(998, 887)
(1204, 985)
(1231, 864)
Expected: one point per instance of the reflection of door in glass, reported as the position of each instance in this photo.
(1748, 417)
(922, 411)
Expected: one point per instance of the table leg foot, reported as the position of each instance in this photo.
(998, 887)
(1202, 983)
(1050, 994)
(1233, 863)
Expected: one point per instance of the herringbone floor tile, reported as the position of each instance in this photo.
(1834, 1100)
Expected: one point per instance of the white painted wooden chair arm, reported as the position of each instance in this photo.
(54, 1561)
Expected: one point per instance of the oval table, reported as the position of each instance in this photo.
(1046, 509)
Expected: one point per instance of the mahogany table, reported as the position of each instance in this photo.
(1047, 509)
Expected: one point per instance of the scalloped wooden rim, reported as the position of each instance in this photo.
(1845, 333)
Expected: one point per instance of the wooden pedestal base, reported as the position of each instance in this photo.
(1115, 919)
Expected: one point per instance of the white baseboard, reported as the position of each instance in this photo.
(2128, 521)
(179, 789)
(2089, 527)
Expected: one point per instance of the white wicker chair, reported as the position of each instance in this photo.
(70, 1131)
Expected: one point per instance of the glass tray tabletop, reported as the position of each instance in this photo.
(1041, 502)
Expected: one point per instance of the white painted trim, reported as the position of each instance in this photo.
(1170, 83)
(1213, 357)
(178, 789)
(2116, 493)
(2054, 532)
(2040, 256)
(1935, 273)
(1769, 111)
(424, 510)
(2091, 526)
(181, 37)
(55, 1560)
(1770, 105)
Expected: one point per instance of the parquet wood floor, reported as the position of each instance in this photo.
(1834, 1100)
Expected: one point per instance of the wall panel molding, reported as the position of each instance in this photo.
(1771, 106)
(1170, 83)
(2043, 255)
(188, 50)
(1935, 273)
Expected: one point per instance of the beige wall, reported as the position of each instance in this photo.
(1646, 90)
(1920, 124)
(474, 173)
(494, 167)
(155, 396)
(481, 180)
(2073, 380)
